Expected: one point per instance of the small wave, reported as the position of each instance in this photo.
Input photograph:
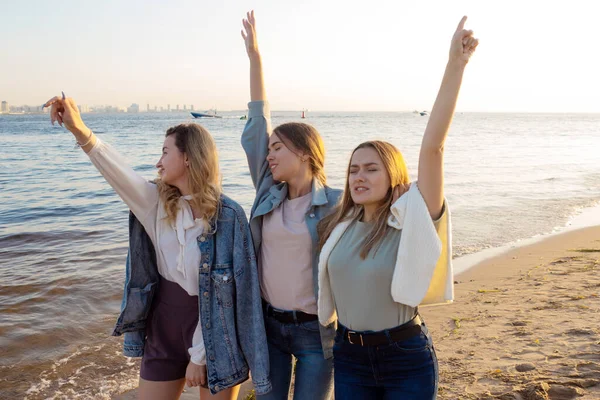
(48, 237)
(98, 372)
(46, 287)
(146, 167)
(92, 194)
(35, 213)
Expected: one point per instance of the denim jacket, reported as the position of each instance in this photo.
(229, 300)
(270, 194)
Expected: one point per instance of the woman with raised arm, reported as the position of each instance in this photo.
(286, 166)
(385, 251)
(191, 286)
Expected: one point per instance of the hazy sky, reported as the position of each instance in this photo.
(321, 55)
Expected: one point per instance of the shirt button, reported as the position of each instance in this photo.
(207, 326)
(211, 358)
(205, 265)
(205, 294)
(217, 388)
(202, 238)
(312, 215)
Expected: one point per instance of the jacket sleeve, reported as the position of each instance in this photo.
(255, 141)
(249, 317)
(140, 195)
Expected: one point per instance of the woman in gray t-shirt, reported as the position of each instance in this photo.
(383, 349)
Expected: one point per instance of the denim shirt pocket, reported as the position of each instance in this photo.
(222, 276)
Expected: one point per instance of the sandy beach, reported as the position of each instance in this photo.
(525, 325)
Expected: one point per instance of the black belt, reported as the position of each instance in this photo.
(398, 334)
(287, 317)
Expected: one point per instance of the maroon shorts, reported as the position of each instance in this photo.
(169, 330)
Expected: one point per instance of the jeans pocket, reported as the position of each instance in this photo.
(415, 344)
(224, 287)
(311, 326)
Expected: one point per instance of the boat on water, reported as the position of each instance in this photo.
(207, 114)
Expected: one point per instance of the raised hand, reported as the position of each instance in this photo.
(463, 43)
(257, 84)
(249, 34)
(64, 111)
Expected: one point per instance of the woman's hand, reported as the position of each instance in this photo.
(195, 375)
(249, 34)
(463, 44)
(64, 111)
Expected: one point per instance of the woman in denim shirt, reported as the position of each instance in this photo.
(201, 246)
(291, 198)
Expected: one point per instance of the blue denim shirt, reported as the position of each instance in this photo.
(270, 194)
(229, 299)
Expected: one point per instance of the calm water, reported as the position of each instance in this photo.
(63, 232)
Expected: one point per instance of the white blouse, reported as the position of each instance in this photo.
(177, 251)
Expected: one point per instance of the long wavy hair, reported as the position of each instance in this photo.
(204, 179)
(298, 136)
(395, 167)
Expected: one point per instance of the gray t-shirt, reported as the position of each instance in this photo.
(362, 288)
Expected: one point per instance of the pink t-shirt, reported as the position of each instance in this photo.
(286, 277)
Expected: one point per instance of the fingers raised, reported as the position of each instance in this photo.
(247, 26)
(51, 101)
(461, 24)
(56, 108)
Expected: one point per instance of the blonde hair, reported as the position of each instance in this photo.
(203, 173)
(298, 136)
(395, 166)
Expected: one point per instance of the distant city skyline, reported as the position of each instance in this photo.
(7, 108)
(334, 55)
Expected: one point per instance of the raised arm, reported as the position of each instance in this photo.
(257, 84)
(140, 195)
(255, 138)
(431, 158)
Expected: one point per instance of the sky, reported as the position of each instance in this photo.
(323, 55)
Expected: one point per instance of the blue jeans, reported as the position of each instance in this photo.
(313, 373)
(406, 370)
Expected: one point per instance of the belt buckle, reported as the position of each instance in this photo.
(359, 335)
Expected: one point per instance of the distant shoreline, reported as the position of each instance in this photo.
(336, 111)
